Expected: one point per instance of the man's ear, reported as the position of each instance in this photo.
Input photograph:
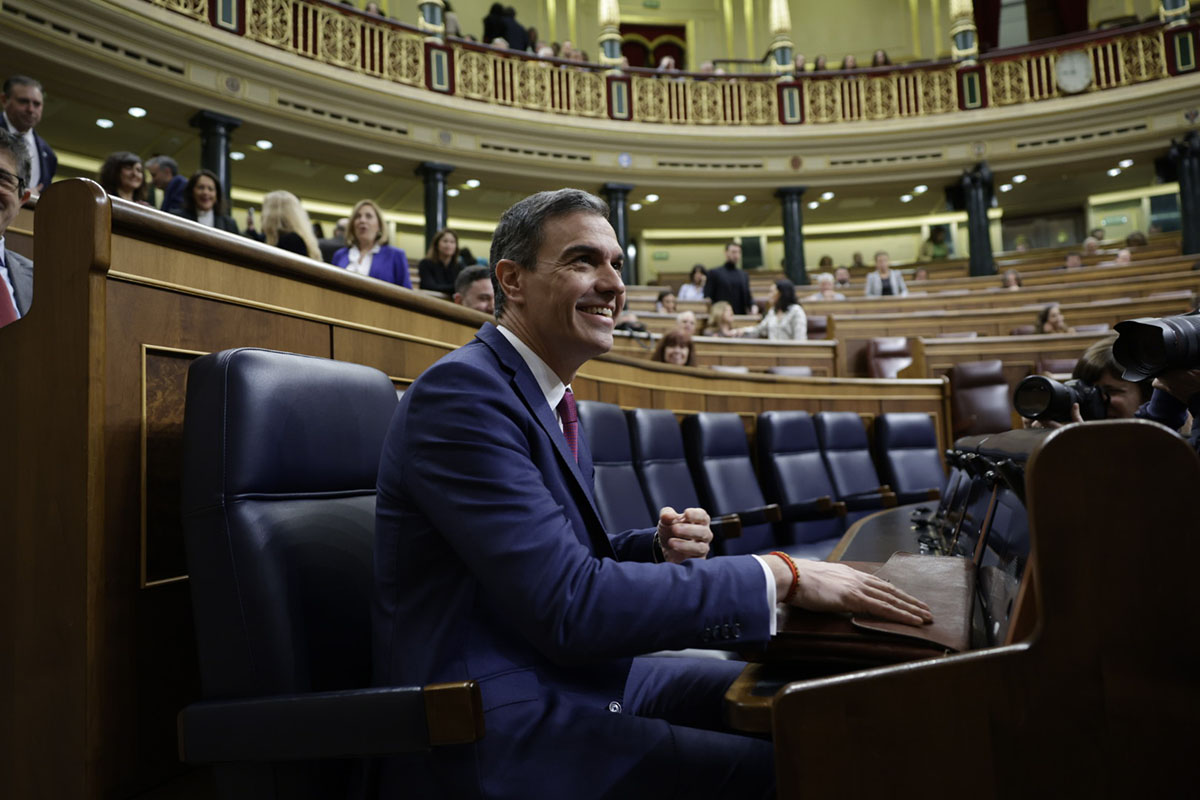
(510, 275)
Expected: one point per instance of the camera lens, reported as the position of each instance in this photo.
(1148, 346)
(1039, 397)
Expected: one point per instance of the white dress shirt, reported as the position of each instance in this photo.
(7, 279)
(363, 266)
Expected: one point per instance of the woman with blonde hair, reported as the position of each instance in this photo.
(368, 250)
(720, 320)
(285, 224)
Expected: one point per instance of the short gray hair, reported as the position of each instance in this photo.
(15, 146)
(518, 236)
(163, 161)
(468, 275)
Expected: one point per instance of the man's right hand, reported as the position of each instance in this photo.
(826, 586)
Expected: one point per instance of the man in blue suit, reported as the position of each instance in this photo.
(22, 112)
(164, 172)
(492, 562)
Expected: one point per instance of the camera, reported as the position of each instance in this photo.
(1145, 347)
(1042, 398)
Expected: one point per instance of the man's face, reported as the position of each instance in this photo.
(733, 253)
(1073, 260)
(10, 200)
(842, 275)
(566, 307)
(479, 296)
(1124, 397)
(23, 105)
(161, 176)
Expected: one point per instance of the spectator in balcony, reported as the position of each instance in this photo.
(1097, 234)
(1091, 246)
(1124, 257)
(667, 64)
(675, 347)
(493, 23)
(799, 65)
(665, 304)
(450, 20)
(841, 278)
(884, 281)
(373, 8)
(935, 248)
(849, 62)
(441, 264)
(687, 322)
(164, 174)
(825, 290)
(23, 104)
(1051, 320)
(285, 224)
(720, 321)
(693, 290)
(819, 64)
(880, 59)
(1135, 239)
(514, 32)
(204, 202)
(121, 175)
(473, 289)
(1011, 280)
(785, 320)
(369, 250)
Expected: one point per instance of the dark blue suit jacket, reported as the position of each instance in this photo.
(389, 264)
(172, 201)
(492, 564)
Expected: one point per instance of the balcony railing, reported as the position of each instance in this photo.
(343, 37)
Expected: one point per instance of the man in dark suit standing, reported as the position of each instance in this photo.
(16, 271)
(492, 563)
(731, 284)
(164, 171)
(22, 112)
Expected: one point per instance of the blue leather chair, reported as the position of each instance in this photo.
(619, 494)
(848, 457)
(908, 449)
(278, 497)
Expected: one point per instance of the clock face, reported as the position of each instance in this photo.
(1073, 71)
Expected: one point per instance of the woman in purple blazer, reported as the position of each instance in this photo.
(368, 251)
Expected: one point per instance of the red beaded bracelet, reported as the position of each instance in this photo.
(791, 592)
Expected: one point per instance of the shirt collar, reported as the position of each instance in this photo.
(547, 381)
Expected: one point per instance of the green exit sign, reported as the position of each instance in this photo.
(651, 3)
(660, 255)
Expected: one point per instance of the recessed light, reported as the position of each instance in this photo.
(920, 189)
(104, 123)
(906, 198)
(137, 112)
(1020, 178)
(653, 198)
(473, 183)
(1125, 163)
(375, 168)
(452, 192)
(739, 198)
(826, 195)
(237, 155)
(1006, 187)
(814, 204)
(264, 144)
(1114, 172)
(635, 207)
(722, 208)
(351, 177)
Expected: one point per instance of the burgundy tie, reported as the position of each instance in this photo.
(570, 422)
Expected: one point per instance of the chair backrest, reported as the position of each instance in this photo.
(619, 494)
(847, 452)
(719, 455)
(818, 326)
(281, 453)
(793, 471)
(1023, 330)
(660, 461)
(887, 355)
(1099, 327)
(979, 398)
(909, 453)
(1056, 366)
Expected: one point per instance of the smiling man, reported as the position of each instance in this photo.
(492, 563)
(23, 104)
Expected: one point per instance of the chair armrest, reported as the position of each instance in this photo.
(918, 496)
(352, 723)
(757, 516)
(879, 497)
(818, 508)
(728, 526)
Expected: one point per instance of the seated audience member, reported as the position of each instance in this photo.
(856, 261)
(373, 8)
(880, 59)
(1124, 257)
(849, 62)
(628, 321)
(1097, 234)
(369, 250)
(720, 320)
(826, 263)
(204, 202)
(1135, 239)
(884, 281)
(1072, 261)
(825, 290)
(665, 304)
(819, 64)
(1091, 246)
(784, 321)
(841, 278)
(687, 322)
(935, 247)
(1122, 399)
(336, 241)
(473, 289)
(920, 275)
(450, 20)
(675, 347)
(1051, 320)
(693, 290)
(466, 258)
(164, 173)
(1012, 280)
(1021, 244)
(440, 266)
(121, 176)
(798, 65)
(285, 224)
(16, 271)
(666, 64)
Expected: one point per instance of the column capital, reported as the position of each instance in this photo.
(790, 191)
(622, 188)
(427, 168)
(213, 119)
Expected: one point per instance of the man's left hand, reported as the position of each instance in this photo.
(683, 536)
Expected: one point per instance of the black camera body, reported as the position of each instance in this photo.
(1042, 398)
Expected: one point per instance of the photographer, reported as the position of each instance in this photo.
(1119, 398)
(1175, 402)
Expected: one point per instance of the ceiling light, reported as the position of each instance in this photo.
(473, 183)
(814, 204)
(237, 155)
(1006, 187)
(653, 198)
(906, 198)
(452, 192)
(351, 177)
(1125, 163)
(1114, 172)
(104, 123)
(1020, 178)
(739, 198)
(722, 208)
(827, 195)
(920, 189)
(635, 207)
(137, 112)
(375, 168)
(264, 144)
